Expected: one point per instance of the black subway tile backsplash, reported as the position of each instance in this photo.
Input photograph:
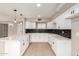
(63, 32)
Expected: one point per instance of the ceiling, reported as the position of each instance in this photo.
(29, 10)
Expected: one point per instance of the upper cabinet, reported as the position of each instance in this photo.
(30, 25)
(63, 21)
(50, 25)
(35, 25)
(41, 26)
(73, 13)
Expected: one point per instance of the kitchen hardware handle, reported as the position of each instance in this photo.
(73, 11)
(53, 42)
(23, 43)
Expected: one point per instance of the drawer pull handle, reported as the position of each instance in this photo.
(23, 43)
(53, 42)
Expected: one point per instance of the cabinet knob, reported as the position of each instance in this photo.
(73, 11)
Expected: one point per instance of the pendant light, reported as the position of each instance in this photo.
(15, 11)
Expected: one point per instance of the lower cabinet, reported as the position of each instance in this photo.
(60, 46)
(39, 37)
(2, 46)
(24, 44)
(16, 47)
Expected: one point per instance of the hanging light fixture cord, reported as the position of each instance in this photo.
(15, 15)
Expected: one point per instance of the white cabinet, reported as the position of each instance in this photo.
(76, 10)
(12, 48)
(30, 25)
(34, 37)
(16, 46)
(39, 37)
(50, 25)
(41, 26)
(50, 39)
(2, 47)
(61, 46)
(73, 13)
(24, 43)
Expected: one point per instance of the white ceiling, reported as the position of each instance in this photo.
(29, 10)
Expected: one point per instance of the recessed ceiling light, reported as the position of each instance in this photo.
(38, 5)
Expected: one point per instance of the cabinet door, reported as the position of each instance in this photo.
(35, 37)
(28, 25)
(76, 10)
(2, 47)
(50, 40)
(33, 25)
(41, 26)
(43, 37)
